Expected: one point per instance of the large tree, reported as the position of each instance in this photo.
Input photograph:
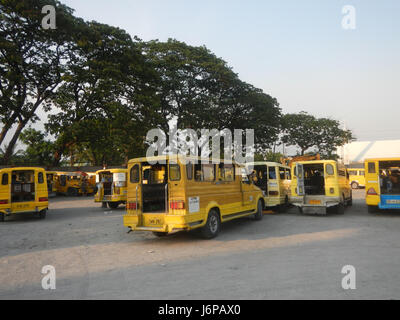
(32, 61)
(305, 131)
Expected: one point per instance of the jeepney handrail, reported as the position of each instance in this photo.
(137, 187)
(166, 197)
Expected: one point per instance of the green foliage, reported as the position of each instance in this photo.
(39, 151)
(306, 131)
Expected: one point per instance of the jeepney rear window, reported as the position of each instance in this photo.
(329, 169)
(174, 172)
(134, 174)
(189, 171)
(371, 167)
(4, 179)
(40, 177)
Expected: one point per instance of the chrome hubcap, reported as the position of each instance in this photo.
(213, 224)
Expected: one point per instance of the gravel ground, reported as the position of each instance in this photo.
(284, 256)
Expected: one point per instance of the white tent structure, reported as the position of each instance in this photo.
(357, 151)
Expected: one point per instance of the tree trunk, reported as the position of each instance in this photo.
(7, 127)
(11, 145)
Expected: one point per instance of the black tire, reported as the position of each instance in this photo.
(339, 209)
(160, 234)
(354, 185)
(113, 205)
(212, 226)
(373, 209)
(350, 201)
(259, 214)
(2, 217)
(72, 192)
(42, 214)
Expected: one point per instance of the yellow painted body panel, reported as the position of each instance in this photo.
(233, 199)
(32, 188)
(73, 180)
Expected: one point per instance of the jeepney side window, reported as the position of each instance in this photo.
(40, 177)
(204, 172)
(227, 172)
(174, 172)
(371, 167)
(134, 174)
(4, 179)
(362, 173)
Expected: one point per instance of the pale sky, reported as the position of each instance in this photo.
(296, 51)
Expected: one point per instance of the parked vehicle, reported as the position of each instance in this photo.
(171, 193)
(382, 185)
(23, 189)
(111, 187)
(356, 177)
(74, 184)
(320, 186)
(274, 180)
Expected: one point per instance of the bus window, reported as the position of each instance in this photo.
(288, 177)
(329, 169)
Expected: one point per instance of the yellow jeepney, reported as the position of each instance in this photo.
(382, 183)
(274, 181)
(111, 186)
(320, 186)
(356, 177)
(23, 189)
(74, 184)
(174, 193)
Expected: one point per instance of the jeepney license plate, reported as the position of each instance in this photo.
(315, 201)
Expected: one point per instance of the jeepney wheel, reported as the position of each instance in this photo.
(212, 226)
(259, 214)
(354, 185)
(113, 205)
(350, 201)
(300, 210)
(160, 234)
(2, 217)
(373, 209)
(42, 214)
(339, 209)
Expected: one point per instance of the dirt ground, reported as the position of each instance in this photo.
(284, 256)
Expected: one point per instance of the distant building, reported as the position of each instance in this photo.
(358, 151)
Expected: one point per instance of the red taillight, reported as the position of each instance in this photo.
(43, 199)
(372, 192)
(177, 204)
(132, 206)
(273, 193)
(3, 201)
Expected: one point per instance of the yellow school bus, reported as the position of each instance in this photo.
(111, 186)
(320, 186)
(382, 183)
(23, 189)
(74, 184)
(356, 177)
(274, 181)
(174, 193)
